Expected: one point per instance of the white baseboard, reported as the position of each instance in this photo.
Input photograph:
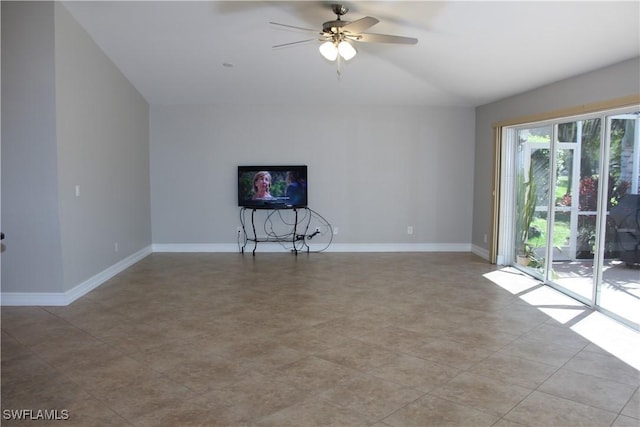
(66, 298)
(33, 298)
(399, 247)
(196, 247)
(334, 247)
(481, 252)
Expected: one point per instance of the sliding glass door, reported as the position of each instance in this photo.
(619, 290)
(577, 149)
(574, 201)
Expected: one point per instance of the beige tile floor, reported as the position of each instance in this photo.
(396, 339)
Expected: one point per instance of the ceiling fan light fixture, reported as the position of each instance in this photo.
(346, 50)
(329, 50)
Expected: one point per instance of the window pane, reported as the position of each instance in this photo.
(620, 290)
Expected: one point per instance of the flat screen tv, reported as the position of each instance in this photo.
(272, 186)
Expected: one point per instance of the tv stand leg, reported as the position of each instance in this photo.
(295, 231)
(255, 236)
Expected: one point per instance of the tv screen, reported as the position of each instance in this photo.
(272, 186)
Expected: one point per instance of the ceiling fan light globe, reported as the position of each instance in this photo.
(329, 51)
(346, 50)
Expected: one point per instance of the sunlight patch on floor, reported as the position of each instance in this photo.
(604, 332)
(554, 304)
(611, 336)
(512, 280)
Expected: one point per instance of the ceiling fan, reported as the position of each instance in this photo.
(337, 35)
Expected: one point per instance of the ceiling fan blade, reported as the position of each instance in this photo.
(294, 27)
(360, 25)
(384, 38)
(293, 43)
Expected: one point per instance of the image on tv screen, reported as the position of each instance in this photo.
(272, 186)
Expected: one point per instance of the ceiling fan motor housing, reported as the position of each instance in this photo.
(333, 26)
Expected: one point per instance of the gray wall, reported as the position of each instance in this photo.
(103, 147)
(32, 259)
(69, 118)
(617, 81)
(372, 171)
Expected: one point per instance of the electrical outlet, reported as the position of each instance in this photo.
(115, 246)
(485, 238)
(410, 229)
(335, 231)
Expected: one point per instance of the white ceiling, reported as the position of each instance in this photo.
(468, 54)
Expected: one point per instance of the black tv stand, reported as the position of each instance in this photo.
(293, 237)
